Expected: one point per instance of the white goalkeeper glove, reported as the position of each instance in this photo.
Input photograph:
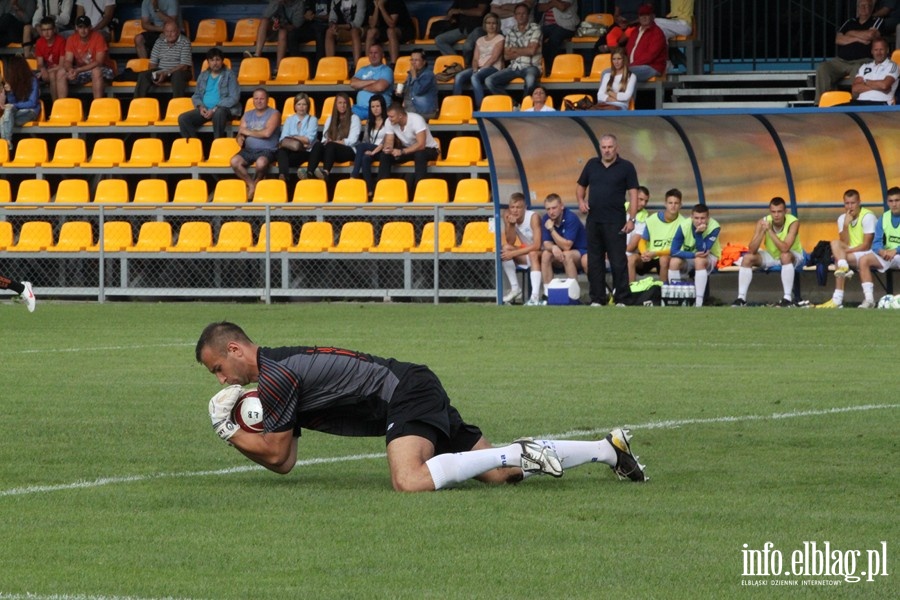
(220, 407)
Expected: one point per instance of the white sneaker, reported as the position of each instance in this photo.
(27, 296)
(512, 295)
(867, 304)
(533, 302)
(539, 459)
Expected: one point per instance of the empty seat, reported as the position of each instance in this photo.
(443, 61)
(396, 236)
(154, 236)
(834, 97)
(193, 236)
(455, 110)
(111, 191)
(390, 191)
(5, 192)
(350, 191)
(496, 103)
(463, 151)
(102, 112)
(270, 191)
(230, 191)
(600, 63)
(145, 153)
(106, 153)
(280, 233)
(574, 98)
(234, 236)
(33, 191)
(34, 236)
(356, 236)
(292, 70)
(64, 112)
(190, 191)
(310, 191)
(566, 68)
(132, 64)
(472, 191)
(130, 29)
(30, 152)
(74, 236)
(6, 234)
(401, 69)
(211, 32)
(4, 154)
(68, 153)
(330, 70)
(73, 191)
(185, 152)
(221, 152)
(315, 236)
(253, 71)
(446, 238)
(431, 191)
(151, 191)
(477, 237)
(142, 112)
(117, 236)
(174, 108)
(244, 33)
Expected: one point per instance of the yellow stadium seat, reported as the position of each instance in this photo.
(230, 192)
(221, 152)
(211, 32)
(281, 234)
(476, 238)
(6, 234)
(5, 192)
(145, 153)
(463, 151)
(566, 68)
(401, 69)
(270, 191)
(350, 191)
(4, 154)
(315, 236)
(443, 61)
(310, 191)
(527, 102)
(193, 236)
(226, 64)
(33, 191)
(41, 118)
(142, 112)
(73, 191)
(74, 236)
(244, 33)
(446, 238)
(151, 191)
(390, 191)
(234, 236)
(117, 236)
(356, 236)
(431, 191)
(30, 152)
(248, 106)
(605, 19)
(330, 70)
(133, 64)
(68, 153)
(600, 63)
(185, 152)
(396, 236)
(574, 98)
(106, 153)
(130, 29)
(253, 71)
(154, 236)
(455, 110)
(292, 70)
(190, 191)
(496, 103)
(472, 191)
(102, 112)
(112, 191)
(834, 97)
(174, 108)
(64, 112)
(34, 236)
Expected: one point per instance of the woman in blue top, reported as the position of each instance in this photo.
(298, 134)
(19, 98)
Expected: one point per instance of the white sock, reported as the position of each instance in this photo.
(509, 269)
(869, 291)
(572, 454)
(450, 469)
(843, 263)
(536, 279)
(700, 279)
(674, 276)
(787, 280)
(838, 297)
(745, 276)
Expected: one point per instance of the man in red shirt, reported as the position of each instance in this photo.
(84, 61)
(49, 52)
(646, 46)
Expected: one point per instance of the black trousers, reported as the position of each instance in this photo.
(606, 240)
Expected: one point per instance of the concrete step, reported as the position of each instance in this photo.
(744, 92)
(716, 105)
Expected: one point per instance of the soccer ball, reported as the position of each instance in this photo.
(885, 301)
(248, 412)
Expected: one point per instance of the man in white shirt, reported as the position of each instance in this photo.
(406, 138)
(876, 81)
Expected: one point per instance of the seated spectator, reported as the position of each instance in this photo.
(463, 23)
(390, 21)
(617, 83)
(856, 233)
(646, 46)
(49, 51)
(85, 61)
(506, 10)
(217, 98)
(15, 15)
(487, 60)
(289, 23)
(345, 24)
(298, 134)
(406, 138)
(625, 16)
(258, 139)
(374, 78)
(539, 101)
(679, 20)
(885, 245)
(522, 53)
(853, 43)
(876, 81)
(775, 242)
(522, 239)
(372, 142)
(339, 137)
(170, 61)
(563, 239)
(695, 247)
(101, 14)
(154, 15)
(558, 24)
(420, 92)
(57, 11)
(658, 234)
(20, 97)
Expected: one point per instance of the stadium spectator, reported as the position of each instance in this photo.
(679, 20)
(563, 240)
(344, 392)
(539, 101)
(876, 81)
(521, 52)
(22, 288)
(154, 15)
(617, 83)
(558, 24)
(463, 23)
(660, 229)
(15, 16)
(298, 134)
(58, 11)
(100, 12)
(49, 51)
(885, 244)
(775, 243)
(85, 61)
(853, 43)
(696, 247)
(372, 142)
(216, 98)
(522, 245)
(258, 138)
(289, 23)
(339, 136)
(346, 20)
(374, 78)
(605, 184)
(856, 233)
(625, 15)
(646, 45)
(487, 60)
(389, 21)
(889, 12)
(506, 10)
(406, 138)
(170, 61)
(420, 92)
(19, 97)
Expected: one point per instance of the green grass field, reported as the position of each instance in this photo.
(756, 425)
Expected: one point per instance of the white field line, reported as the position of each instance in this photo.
(671, 424)
(29, 596)
(97, 349)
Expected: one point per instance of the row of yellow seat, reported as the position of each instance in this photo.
(230, 192)
(237, 236)
(463, 151)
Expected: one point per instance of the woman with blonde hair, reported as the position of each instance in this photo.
(618, 82)
(298, 134)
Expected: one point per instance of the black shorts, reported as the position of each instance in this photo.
(648, 266)
(420, 406)
(403, 36)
